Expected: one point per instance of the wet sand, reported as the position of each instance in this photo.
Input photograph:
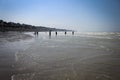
(13, 36)
(9, 45)
(78, 57)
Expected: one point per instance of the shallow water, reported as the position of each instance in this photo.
(83, 56)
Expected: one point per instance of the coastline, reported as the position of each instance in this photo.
(7, 52)
(13, 36)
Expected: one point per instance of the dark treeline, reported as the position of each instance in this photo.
(11, 26)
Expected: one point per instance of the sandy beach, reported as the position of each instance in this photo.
(9, 45)
(84, 56)
(59, 39)
(13, 36)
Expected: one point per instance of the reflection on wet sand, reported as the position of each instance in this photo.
(10, 43)
(70, 58)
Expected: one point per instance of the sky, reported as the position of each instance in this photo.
(79, 15)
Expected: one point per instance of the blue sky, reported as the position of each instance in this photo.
(80, 15)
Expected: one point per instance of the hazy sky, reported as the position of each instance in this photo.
(81, 15)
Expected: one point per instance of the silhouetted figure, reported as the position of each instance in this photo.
(65, 32)
(2, 25)
(37, 33)
(56, 33)
(72, 32)
(50, 33)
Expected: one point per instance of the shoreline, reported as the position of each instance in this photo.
(7, 52)
(13, 36)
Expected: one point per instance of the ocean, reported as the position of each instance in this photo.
(82, 56)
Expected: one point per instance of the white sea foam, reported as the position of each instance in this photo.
(99, 35)
(12, 77)
(52, 46)
(102, 46)
(16, 56)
